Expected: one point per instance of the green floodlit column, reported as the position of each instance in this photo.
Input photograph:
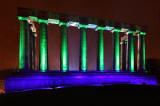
(83, 55)
(144, 57)
(23, 21)
(43, 45)
(141, 52)
(116, 54)
(64, 47)
(130, 51)
(100, 49)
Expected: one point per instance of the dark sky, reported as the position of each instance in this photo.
(143, 12)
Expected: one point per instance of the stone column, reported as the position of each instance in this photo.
(23, 44)
(141, 53)
(83, 48)
(130, 52)
(100, 49)
(43, 45)
(32, 51)
(123, 54)
(116, 54)
(64, 47)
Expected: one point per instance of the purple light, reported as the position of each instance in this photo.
(26, 81)
(79, 77)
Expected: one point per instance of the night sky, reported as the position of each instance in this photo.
(142, 12)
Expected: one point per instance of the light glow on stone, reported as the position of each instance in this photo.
(43, 47)
(101, 50)
(82, 26)
(131, 52)
(116, 50)
(83, 49)
(144, 58)
(124, 30)
(26, 81)
(53, 21)
(92, 26)
(33, 18)
(22, 18)
(75, 24)
(22, 45)
(108, 28)
(64, 47)
(42, 21)
(142, 33)
(100, 28)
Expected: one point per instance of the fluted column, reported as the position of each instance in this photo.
(141, 67)
(64, 47)
(123, 54)
(22, 42)
(83, 48)
(32, 50)
(100, 51)
(130, 52)
(116, 54)
(43, 45)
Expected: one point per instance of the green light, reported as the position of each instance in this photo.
(131, 52)
(33, 18)
(101, 50)
(53, 21)
(42, 21)
(43, 47)
(116, 50)
(83, 49)
(116, 30)
(100, 28)
(144, 64)
(63, 23)
(22, 18)
(130, 32)
(142, 33)
(22, 46)
(64, 47)
(83, 26)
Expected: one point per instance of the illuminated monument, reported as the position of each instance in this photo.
(124, 71)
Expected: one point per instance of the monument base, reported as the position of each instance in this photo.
(28, 81)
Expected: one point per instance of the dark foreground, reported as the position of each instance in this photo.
(98, 95)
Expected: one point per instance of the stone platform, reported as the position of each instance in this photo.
(22, 81)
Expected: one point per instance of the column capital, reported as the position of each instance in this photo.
(131, 32)
(99, 28)
(42, 21)
(22, 18)
(82, 26)
(143, 33)
(63, 23)
(33, 18)
(116, 30)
